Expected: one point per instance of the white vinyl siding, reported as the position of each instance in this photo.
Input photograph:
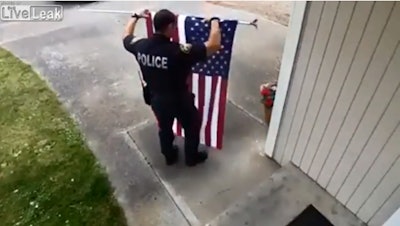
(340, 123)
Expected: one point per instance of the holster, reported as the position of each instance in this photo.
(147, 95)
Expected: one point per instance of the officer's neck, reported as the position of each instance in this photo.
(162, 35)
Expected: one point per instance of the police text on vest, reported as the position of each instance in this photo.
(153, 61)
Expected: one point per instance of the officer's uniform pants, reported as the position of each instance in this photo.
(166, 110)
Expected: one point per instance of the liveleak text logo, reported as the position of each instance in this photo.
(31, 12)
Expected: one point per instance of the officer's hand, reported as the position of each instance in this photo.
(142, 14)
(208, 19)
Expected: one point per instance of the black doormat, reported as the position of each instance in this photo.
(310, 217)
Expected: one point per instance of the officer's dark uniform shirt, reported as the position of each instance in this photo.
(165, 65)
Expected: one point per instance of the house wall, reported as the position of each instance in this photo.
(340, 123)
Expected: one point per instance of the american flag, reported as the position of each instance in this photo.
(209, 80)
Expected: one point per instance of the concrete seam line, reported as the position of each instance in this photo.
(182, 206)
(246, 112)
(135, 127)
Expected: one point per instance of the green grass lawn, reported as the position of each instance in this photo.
(48, 176)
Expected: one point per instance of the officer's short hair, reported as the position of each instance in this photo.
(162, 19)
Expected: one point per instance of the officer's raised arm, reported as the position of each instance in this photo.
(129, 39)
(213, 44)
(193, 53)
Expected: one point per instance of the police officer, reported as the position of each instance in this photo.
(166, 66)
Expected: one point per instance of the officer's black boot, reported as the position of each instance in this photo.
(199, 157)
(173, 157)
(192, 155)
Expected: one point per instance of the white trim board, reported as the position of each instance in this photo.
(394, 220)
(288, 58)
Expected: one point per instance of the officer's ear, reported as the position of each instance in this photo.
(171, 27)
(169, 30)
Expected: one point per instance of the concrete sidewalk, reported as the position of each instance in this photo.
(203, 192)
(280, 199)
(83, 60)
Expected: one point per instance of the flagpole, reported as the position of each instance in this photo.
(251, 23)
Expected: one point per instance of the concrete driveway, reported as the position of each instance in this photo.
(83, 60)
